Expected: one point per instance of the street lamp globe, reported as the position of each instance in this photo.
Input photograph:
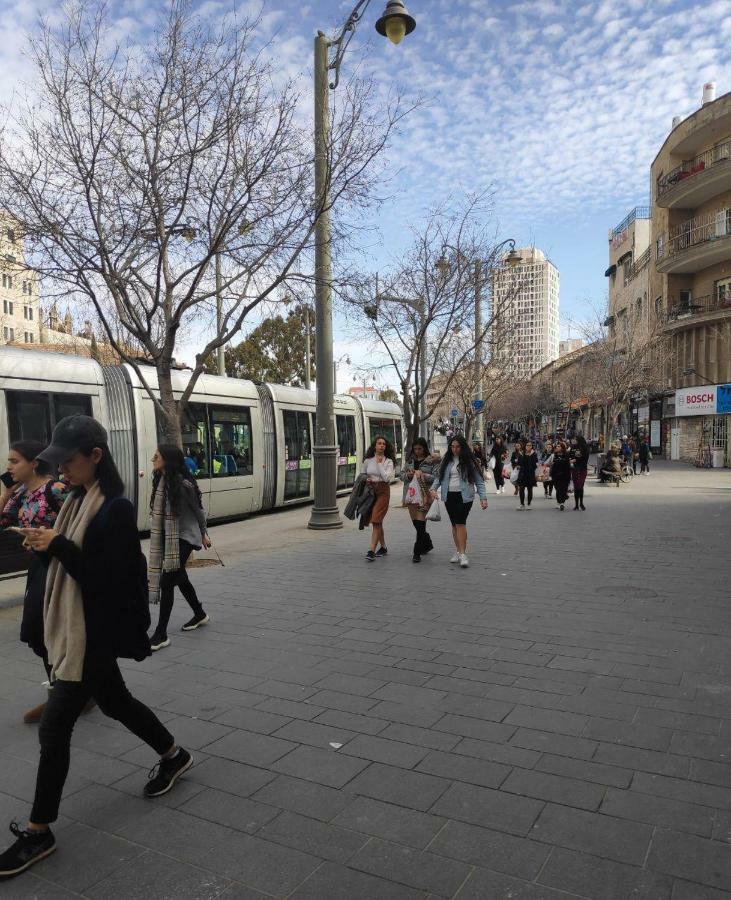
(513, 258)
(395, 23)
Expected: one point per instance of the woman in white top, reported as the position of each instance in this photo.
(379, 466)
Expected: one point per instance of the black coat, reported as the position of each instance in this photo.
(644, 451)
(561, 470)
(528, 466)
(111, 571)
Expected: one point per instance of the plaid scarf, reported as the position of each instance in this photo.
(164, 541)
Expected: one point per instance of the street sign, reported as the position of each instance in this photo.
(478, 405)
(453, 412)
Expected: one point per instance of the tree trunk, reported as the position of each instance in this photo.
(170, 430)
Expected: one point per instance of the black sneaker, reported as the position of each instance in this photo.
(164, 775)
(198, 619)
(370, 556)
(29, 848)
(382, 552)
(416, 558)
(158, 641)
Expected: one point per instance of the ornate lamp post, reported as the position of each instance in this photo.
(395, 23)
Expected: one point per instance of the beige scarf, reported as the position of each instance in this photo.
(64, 626)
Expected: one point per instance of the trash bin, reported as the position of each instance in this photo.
(717, 457)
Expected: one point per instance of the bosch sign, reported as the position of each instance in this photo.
(695, 401)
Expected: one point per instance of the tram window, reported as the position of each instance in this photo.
(70, 405)
(29, 416)
(195, 440)
(384, 427)
(34, 414)
(297, 453)
(231, 435)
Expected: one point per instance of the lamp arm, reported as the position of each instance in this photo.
(340, 43)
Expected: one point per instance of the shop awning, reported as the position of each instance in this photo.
(610, 271)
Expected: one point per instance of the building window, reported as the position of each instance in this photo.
(28, 313)
(29, 337)
(8, 307)
(11, 235)
(723, 291)
(658, 306)
(9, 334)
(27, 287)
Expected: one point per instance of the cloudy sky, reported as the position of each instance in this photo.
(558, 106)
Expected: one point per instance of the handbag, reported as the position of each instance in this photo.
(515, 475)
(649, 454)
(491, 464)
(414, 495)
(435, 513)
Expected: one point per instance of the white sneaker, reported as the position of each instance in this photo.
(455, 558)
(463, 561)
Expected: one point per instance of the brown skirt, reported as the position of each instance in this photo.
(383, 498)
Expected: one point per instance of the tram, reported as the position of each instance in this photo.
(248, 444)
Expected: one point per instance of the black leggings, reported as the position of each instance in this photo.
(523, 488)
(548, 488)
(562, 491)
(497, 474)
(103, 681)
(169, 581)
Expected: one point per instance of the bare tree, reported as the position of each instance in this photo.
(420, 318)
(160, 181)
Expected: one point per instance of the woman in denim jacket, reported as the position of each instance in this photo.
(457, 482)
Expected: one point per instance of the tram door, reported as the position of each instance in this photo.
(347, 452)
(297, 454)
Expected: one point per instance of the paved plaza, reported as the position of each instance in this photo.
(553, 722)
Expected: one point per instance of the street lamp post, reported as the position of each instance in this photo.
(395, 23)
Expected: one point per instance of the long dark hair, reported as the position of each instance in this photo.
(107, 474)
(420, 442)
(29, 450)
(389, 452)
(466, 460)
(176, 474)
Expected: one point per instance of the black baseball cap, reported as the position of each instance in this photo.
(72, 433)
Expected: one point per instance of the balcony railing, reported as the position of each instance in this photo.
(697, 306)
(693, 167)
(639, 212)
(711, 226)
(637, 266)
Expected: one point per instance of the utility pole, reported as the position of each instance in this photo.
(478, 346)
(308, 362)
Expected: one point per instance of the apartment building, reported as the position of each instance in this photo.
(19, 314)
(690, 280)
(525, 303)
(569, 345)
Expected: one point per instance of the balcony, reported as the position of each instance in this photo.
(680, 311)
(697, 180)
(695, 244)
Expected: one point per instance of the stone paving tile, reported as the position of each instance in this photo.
(686, 890)
(556, 788)
(489, 808)
(325, 841)
(239, 813)
(659, 811)
(307, 798)
(692, 858)
(415, 868)
(405, 788)
(352, 722)
(491, 849)
(379, 749)
(336, 882)
(151, 875)
(394, 823)
(248, 747)
(326, 767)
(588, 771)
(483, 884)
(601, 879)
(549, 742)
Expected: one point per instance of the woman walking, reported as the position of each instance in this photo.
(457, 483)
(579, 457)
(378, 467)
(561, 473)
(32, 500)
(518, 450)
(95, 610)
(498, 452)
(645, 456)
(547, 462)
(479, 455)
(178, 527)
(527, 462)
(420, 473)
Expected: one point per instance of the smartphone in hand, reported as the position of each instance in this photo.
(7, 479)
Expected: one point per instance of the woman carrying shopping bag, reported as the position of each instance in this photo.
(378, 467)
(498, 456)
(457, 483)
(561, 473)
(418, 477)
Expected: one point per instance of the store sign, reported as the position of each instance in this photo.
(696, 401)
(723, 399)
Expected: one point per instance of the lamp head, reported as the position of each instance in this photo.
(395, 22)
(442, 266)
(513, 258)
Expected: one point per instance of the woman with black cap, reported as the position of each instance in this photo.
(95, 611)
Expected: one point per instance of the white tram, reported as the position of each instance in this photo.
(249, 445)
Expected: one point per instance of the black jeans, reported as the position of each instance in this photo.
(168, 582)
(497, 474)
(103, 681)
(523, 489)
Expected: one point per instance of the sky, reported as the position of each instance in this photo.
(557, 107)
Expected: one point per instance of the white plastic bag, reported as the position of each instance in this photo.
(515, 475)
(414, 495)
(435, 513)
(491, 464)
